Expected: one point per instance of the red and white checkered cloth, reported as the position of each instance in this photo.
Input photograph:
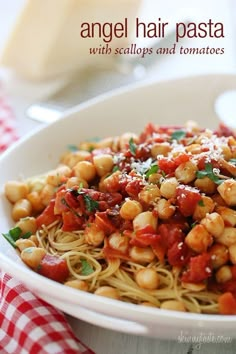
(7, 125)
(29, 325)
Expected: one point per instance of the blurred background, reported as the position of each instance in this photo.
(23, 89)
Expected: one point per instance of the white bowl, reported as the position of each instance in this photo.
(169, 102)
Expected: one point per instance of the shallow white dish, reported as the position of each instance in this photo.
(169, 102)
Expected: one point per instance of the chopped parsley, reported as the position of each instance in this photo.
(233, 161)
(115, 168)
(208, 172)
(14, 234)
(132, 146)
(86, 267)
(153, 169)
(72, 147)
(91, 204)
(201, 203)
(178, 135)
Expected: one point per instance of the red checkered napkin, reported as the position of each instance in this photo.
(7, 125)
(28, 324)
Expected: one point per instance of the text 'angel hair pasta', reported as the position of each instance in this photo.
(148, 219)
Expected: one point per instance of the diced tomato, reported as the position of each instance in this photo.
(223, 130)
(111, 199)
(227, 304)
(47, 217)
(178, 254)
(134, 187)
(167, 165)
(199, 269)
(181, 159)
(103, 222)
(53, 268)
(187, 199)
(59, 205)
(71, 221)
(170, 234)
(233, 271)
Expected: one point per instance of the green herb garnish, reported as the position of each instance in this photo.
(132, 146)
(91, 205)
(72, 147)
(13, 235)
(178, 135)
(86, 267)
(153, 169)
(115, 168)
(208, 172)
(233, 161)
(201, 203)
(81, 185)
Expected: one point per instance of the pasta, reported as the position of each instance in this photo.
(147, 219)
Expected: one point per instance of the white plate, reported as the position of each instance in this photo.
(170, 102)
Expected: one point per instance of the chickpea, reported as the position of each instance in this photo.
(34, 239)
(119, 242)
(77, 284)
(142, 255)
(173, 305)
(155, 178)
(228, 237)
(168, 188)
(15, 190)
(148, 304)
(149, 194)
(35, 200)
(55, 177)
(108, 291)
(85, 170)
(72, 158)
(160, 149)
(147, 278)
(47, 194)
(164, 209)
(199, 239)
(192, 126)
(214, 224)
(27, 224)
(111, 183)
(223, 274)
(226, 152)
(218, 200)
(103, 164)
(104, 143)
(205, 185)
(193, 286)
(232, 253)
(21, 209)
(144, 219)
(194, 149)
(32, 256)
(94, 235)
(186, 172)
(76, 181)
(207, 206)
(125, 139)
(130, 209)
(219, 255)
(22, 243)
(228, 215)
(227, 190)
